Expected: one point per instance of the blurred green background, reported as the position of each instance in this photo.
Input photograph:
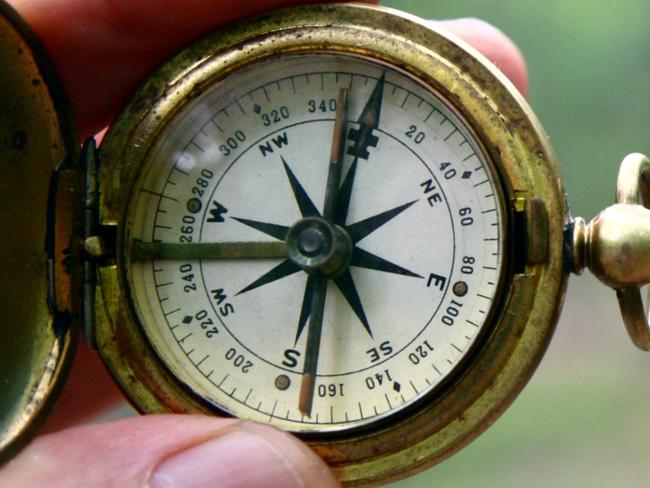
(584, 419)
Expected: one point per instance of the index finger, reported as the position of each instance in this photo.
(105, 49)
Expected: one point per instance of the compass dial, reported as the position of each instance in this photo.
(316, 242)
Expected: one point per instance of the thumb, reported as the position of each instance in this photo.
(168, 451)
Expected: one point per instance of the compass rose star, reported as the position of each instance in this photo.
(359, 257)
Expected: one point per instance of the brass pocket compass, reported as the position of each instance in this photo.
(333, 219)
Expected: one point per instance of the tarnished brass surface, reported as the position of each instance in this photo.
(523, 163)
(615, 245)
(35, 131)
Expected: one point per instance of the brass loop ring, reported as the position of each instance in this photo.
(633, 188)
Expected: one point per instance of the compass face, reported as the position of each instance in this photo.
(272, 306)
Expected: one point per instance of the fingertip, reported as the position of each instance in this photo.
(249, 455)
(168, 451)
(494, 45)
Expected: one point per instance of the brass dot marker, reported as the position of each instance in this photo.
(460, 289)
(194, 205)
(282, 382)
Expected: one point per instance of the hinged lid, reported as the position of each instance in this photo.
(36, 136)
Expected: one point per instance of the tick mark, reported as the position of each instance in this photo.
(160, 195)
(452, 133)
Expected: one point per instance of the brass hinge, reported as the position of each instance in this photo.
(530, 224)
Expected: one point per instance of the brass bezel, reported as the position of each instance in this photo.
(503, 123)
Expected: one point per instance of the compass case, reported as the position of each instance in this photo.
(36, 136)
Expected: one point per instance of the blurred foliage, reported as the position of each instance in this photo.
(581, 421)
(589, 66)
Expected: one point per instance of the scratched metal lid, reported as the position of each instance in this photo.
(36, 135)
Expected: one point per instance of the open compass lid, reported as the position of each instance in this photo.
(36, 136)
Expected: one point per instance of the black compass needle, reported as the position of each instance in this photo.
(305, 308)
(363, 138)
(317, 285)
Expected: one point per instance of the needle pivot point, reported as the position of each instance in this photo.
(311, 241)
(319, 247)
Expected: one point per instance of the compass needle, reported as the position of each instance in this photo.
(142, 251)
(363, 138)
(319, 283)
(305, 307)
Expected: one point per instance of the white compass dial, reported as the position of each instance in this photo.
(236, 261)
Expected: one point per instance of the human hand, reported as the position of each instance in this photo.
(102, 56)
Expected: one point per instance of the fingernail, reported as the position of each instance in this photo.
(238, 459)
